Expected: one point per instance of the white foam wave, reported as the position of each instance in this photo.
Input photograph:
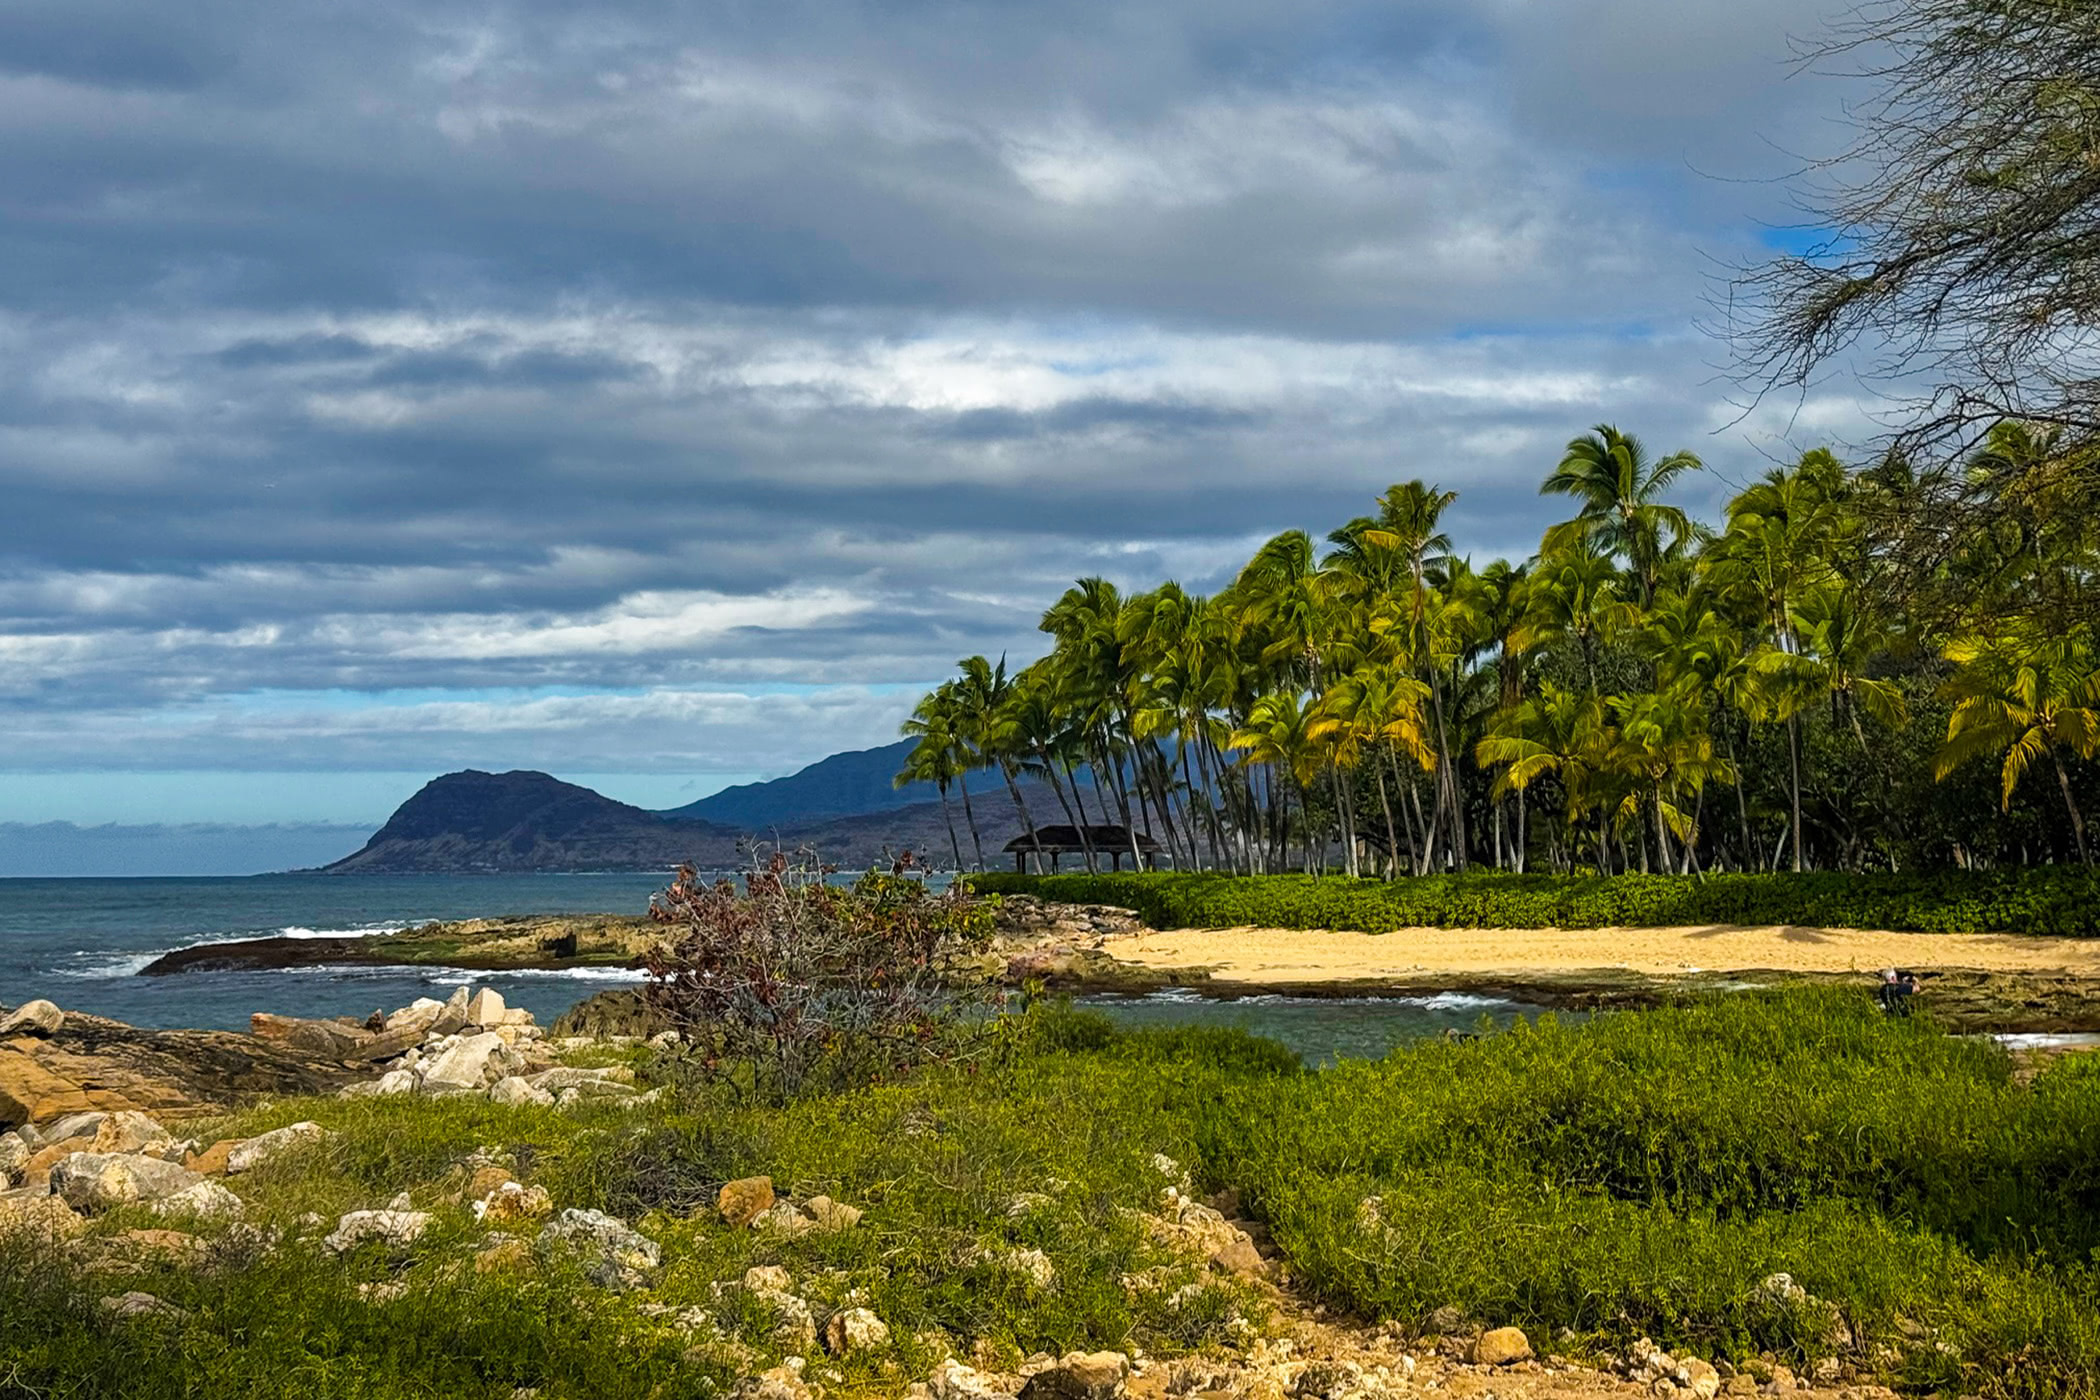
(123, 965)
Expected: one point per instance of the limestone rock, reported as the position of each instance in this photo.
(1238, 1255)
(1501, 1346)
(831, 1216)
(14, 1153)
(954, 1381)
(854, 1329)
(1094, 1375)
(511, 1204)
(332, 1039)
(767, 1278)
(44, 1218)
(469, 1064)
(418, 1016)
(1701, 1378)
(783, 1219)
(249, 1155)
(92, 1064)
(617, 1257)
(212, 1160)
(389, 1227)
(132, 1305)
(517, 1090)
(69, 1127)
(207, 1200)
(38, 1018)
(128, 1130)
(162, 1246)
(98, 1181)
(742, 1201)
(485, 1008)
(783, 1382)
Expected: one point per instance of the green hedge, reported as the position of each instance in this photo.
(2058, 900)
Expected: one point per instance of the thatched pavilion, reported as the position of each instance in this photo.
(1111, 842)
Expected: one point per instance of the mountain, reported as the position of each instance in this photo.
(476, 821)
(843, 785)
(472, 822)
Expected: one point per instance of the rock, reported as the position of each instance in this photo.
(511, 1204)
(249, 1155)
(37, 1018)
(330, 1038)
(954, 1381)
(783, 1382)
(128, 1130)
(783, 1219)
(574, 1077)
(95, 1064)
(516, 1090)
(1447, 1320)
(162, 1246)
(417, 1017)
(742, 1201)
(207, 1200)
(503, 1257)
(71, 1127)
(767, 1278)
(1701, 1378)
(452, 1016)
(831, 1216)
(618, 1257)
(485, 1008)
(1094, 1375)
(131, 1305)
(394, 1228)
(1501, 1346)
(212, 1160)
(14, 1153)
(472, 1062)
(854, 1329)
(1239, 1256)
(98, 1181)
(44, 1218)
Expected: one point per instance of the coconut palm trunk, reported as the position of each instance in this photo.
(970, 814)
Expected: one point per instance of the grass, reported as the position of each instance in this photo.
(2058, 900)
(1640, 1173)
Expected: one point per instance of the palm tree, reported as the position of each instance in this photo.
(937, 723)
(983, 693)
(932, 760)
(1277, 735)
(2027, 697)
(1609, 473)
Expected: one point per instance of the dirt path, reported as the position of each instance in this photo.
(1269, 956)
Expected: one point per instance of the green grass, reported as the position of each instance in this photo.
(1642, 1172)
(2058, 900)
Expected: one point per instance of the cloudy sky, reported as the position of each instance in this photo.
(664, 395)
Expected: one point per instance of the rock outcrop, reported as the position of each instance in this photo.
(92, 1064)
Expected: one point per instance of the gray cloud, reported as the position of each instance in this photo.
(656, 356)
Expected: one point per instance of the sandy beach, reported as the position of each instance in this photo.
(1269, 955)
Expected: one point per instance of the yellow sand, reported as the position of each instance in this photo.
(1272, 955)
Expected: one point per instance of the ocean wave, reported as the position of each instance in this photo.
(106, 965)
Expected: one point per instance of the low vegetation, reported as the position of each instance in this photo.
(1642, 1173)
(2057, 900)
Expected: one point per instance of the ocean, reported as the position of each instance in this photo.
(81, 943)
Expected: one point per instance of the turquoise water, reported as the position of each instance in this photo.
(81, 942)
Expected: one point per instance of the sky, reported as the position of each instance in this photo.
(665, 395)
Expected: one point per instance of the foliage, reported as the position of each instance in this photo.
(1639, 1173)
(1646, 693)
(796, 984)
(1645, 1173)
(2062, 901)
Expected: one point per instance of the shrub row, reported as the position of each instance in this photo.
(2058, 900)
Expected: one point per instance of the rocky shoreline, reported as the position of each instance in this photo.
(1073, 950)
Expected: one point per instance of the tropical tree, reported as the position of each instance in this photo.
(1609, 475)
(2026, 698)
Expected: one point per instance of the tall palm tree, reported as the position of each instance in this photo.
(932, 760)
(1609, 474)
(938, 722)
(983, 692)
